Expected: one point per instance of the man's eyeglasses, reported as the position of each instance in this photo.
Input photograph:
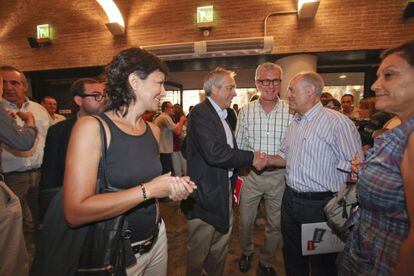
(267, 82)
(97, 96)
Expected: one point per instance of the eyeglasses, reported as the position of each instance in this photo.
(97, 96)
(267, 82)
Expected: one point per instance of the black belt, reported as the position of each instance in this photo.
(21, 172)
(146, 245)
(310, 195)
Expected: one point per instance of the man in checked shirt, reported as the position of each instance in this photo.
(261, 126)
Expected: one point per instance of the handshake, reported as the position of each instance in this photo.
(260, 160)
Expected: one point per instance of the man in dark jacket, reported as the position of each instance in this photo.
(88, 95)
(212, 155)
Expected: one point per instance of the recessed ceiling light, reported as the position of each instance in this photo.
(342, 76)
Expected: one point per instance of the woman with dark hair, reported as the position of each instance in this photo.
(365, 125)
(381, 236)
(331, 103)
(134, 83)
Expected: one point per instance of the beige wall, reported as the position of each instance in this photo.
(81, 38)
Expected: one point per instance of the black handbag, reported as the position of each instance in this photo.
(107, 248)
(95, 249)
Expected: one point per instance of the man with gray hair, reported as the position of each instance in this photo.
(21, 169)
(317, 150)
(261, 126)
(212, 155)
(13, 253)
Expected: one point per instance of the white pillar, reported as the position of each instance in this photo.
(292, 65)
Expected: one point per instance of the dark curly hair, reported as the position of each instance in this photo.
(129, 61)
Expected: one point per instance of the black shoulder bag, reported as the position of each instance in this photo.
(107, 249)
(95, 249)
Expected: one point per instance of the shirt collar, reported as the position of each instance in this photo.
(310, 114)
(274, 109)
(221, 112)
(12, 105)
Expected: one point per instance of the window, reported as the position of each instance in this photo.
(193, 97)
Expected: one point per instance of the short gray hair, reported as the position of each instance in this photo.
(7, 68)
(216, 77)
(268, 66)
(313, 79)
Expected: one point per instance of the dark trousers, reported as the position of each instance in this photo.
(295, 212)
(166, 162)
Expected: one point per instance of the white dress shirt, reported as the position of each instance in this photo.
(15, 160)
(222, 113)
(318, 149)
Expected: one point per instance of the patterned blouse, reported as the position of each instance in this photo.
(381, 222)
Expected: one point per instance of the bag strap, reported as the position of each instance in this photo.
(103, 183)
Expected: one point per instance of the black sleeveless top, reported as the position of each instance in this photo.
(132, 160)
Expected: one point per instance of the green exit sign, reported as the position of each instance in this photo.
(43, 31)
(205, 16)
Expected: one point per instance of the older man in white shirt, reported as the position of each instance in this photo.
(21, 168)
(317, 150)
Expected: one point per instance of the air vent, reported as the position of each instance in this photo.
(239, 46)
(234, 44)
(172, 50)
(213, 48)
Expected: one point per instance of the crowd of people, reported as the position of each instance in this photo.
(293, 155)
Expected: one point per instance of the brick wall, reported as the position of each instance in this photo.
(81, 38)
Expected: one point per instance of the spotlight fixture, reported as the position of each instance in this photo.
(33, 42)
(38, 42)
(116, 23)
(115, 28)
(307, 8)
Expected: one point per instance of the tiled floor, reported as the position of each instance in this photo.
(177, 238)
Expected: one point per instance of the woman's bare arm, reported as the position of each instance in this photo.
(80, 203)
